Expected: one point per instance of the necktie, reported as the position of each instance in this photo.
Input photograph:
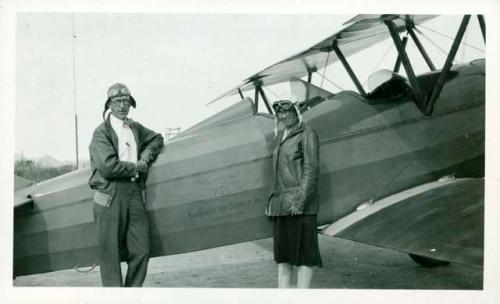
(127, 122)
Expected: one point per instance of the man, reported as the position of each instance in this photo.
(121, 151)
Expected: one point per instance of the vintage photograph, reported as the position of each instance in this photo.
(249, 150)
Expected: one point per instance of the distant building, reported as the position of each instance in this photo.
(171, 132)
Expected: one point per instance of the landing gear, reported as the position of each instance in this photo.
(427, 262)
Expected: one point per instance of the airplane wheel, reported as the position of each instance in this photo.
(427, 262)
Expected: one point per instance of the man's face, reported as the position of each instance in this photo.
(120, 106)
(288, 117)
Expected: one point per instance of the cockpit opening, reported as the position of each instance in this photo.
(387, 86)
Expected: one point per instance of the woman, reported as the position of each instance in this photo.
(293, 201)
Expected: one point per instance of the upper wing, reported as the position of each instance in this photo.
(443, 220)
(363, 32)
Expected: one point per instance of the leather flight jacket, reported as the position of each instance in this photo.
(106, 166)
(296, 173)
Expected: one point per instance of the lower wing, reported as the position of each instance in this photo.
(442, 220)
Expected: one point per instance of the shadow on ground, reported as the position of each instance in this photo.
(250, 265)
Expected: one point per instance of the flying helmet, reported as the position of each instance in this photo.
(117, 90)
(286, 103)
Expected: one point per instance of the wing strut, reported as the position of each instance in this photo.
(447, 65)
(348, 68)
(264, 97)
(421, 48)
(324, 70)
(398, 61)
(309, 79)
(256, 103)
(259, 92)
(406, 64)
(482, 24)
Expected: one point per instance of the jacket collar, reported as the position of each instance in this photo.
(298, 128)
(112, 134)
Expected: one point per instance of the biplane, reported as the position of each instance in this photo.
(402, 163)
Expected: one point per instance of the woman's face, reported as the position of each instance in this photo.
(288, 117)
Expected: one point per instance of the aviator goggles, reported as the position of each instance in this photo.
(118, 92)
(125, 101)
(284, 105)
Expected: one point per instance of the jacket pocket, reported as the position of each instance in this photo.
(102, 199)
(280, 204)
(289, 197)
(273, 205)
(97, 182)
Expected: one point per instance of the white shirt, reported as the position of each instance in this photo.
(127, 147)
(285, 133)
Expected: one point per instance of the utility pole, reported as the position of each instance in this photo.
(74, 88)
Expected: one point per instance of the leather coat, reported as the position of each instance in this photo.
(106, 166)
(296, 173)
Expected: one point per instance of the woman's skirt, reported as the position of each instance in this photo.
(296, 240)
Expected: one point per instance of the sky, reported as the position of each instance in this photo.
(172, 63)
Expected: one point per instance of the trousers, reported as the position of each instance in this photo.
(123, 234)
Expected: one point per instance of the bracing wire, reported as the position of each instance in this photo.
(391, 46)
(324, 71)
(451, 38)
(433, 43)
(270, 91)
(331, 81)
(466, 35)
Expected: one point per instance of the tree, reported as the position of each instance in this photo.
(30, 170)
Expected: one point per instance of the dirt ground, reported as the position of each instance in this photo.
(250, 265)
